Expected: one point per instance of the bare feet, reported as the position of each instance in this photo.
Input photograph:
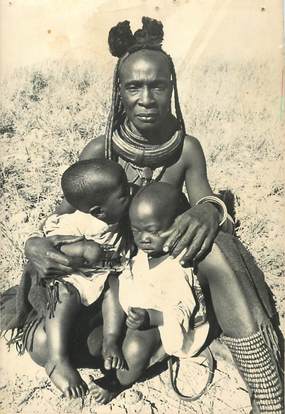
(112, 354)
(102, 391)
(66, 378)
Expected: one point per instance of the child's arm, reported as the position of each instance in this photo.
(113, 321)
(139, 318)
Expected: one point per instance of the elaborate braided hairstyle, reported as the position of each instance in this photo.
(122, 42)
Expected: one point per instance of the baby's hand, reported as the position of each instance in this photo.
(112, 354)
(138, 318)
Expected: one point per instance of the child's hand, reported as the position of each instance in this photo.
(138, 318)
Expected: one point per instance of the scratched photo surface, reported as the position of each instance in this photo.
(56, 84)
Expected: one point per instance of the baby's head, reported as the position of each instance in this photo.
(152, 211)
(98, 187)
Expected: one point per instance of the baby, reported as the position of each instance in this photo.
(161, 287)
(161, 302)
(99, 191)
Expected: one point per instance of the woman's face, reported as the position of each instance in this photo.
(146, 88)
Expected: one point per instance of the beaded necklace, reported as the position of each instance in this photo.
(136, 149)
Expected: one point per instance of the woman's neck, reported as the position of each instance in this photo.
(158, 135)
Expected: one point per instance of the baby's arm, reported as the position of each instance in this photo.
(139, 318)
(83, 252)
(113, 321)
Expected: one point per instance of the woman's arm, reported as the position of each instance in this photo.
(196, 229)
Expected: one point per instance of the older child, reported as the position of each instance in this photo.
(99, 192)
(162, 301)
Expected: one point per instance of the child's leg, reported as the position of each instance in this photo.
(113, 326)
(138, 348)
(58, 329)
(85, 353)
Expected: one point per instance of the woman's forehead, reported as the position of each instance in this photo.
(145, 62)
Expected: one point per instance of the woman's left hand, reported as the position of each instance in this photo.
(194, 230)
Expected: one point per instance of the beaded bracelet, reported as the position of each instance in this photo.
(218, 202)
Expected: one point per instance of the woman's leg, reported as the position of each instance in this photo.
(240, 316)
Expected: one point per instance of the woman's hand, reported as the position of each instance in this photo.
(46, 258)
(194, 230)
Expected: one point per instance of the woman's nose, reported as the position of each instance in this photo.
(146, 98)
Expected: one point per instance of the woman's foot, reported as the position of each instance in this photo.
(66, 378)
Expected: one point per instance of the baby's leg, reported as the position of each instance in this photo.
(138, 348)
(58, 329)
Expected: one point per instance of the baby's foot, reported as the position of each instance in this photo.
(103, 392)
(66, 378)
(112, 354)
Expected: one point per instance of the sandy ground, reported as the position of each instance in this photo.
(25, 389)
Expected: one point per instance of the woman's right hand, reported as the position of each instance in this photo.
(42, 252)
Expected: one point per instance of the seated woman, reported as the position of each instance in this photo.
(150, 142)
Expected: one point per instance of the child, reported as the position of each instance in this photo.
(162, 302)
(99, 191)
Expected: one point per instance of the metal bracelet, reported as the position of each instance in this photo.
(218, 202)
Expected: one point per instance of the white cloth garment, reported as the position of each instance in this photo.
(88, 282)
(167, 288)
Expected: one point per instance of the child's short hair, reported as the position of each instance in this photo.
(92, 181)
(165, 196)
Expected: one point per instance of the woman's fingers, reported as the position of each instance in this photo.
(172, 240)
(205, 249)
(199, 247)
(185, 241)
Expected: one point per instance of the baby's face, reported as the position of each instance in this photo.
(147, 226)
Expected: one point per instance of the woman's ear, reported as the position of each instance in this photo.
(97, 212)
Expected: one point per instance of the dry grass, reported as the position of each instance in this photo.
(49, 114)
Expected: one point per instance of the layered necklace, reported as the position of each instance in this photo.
(149, 160)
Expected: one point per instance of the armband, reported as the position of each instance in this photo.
(218, 202)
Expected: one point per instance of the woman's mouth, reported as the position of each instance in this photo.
(148, 118)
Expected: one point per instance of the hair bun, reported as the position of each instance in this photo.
(120, 39)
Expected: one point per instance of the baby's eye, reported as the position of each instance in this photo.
(154, 232)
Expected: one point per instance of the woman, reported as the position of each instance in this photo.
(151, 144)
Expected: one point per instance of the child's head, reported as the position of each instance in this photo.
(98, 187)
(152, 211)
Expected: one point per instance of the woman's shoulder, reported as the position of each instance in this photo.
(192, 150)
(94, 149)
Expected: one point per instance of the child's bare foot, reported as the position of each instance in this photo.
(112, 354)
(102, 391)
(66, 378)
